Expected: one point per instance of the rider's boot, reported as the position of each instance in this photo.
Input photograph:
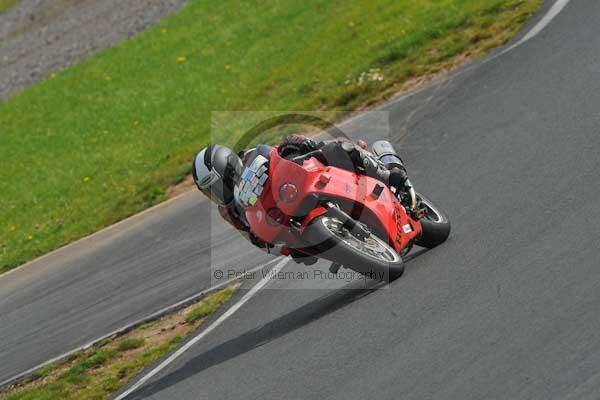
(335, 267)
(302, 258)
(388, 156)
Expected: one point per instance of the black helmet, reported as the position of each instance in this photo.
(215, 170)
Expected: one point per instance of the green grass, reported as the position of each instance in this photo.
(6, 4)
(130, 344)
(104, 139)
(93, 374)
(210, 305)
(102, 370)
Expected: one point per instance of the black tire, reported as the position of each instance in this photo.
(324, 243)
(435, 224)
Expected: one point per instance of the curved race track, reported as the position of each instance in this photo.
(506, 309)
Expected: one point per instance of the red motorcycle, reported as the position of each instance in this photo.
(353, 220)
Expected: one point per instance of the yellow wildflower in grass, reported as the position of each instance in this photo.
(228, 68)
(12, 228)
(86, 179)
(136, 123)
(29, 237)
(53, 75)
(181, 59)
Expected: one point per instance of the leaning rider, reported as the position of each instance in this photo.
(217, 170)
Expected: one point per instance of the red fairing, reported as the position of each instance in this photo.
(291, 186)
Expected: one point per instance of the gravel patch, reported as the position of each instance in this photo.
(38, 37)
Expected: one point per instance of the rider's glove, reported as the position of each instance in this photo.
(308, 145)
(398, 178)
(295, 145)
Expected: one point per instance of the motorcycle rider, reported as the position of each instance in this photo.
(217, 170)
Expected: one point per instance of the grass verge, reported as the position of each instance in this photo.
(6, 4)
(100, 371)
(105, 139)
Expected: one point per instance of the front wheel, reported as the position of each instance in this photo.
(369, 256)
(435, 224)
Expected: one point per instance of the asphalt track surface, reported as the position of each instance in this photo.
(95, 286)
(507, 308)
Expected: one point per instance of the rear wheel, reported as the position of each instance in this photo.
(371, 256)
(435, 224)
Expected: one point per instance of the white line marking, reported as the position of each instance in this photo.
(206, 331)
(132, 325)
(552, 13)
(558, 6)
